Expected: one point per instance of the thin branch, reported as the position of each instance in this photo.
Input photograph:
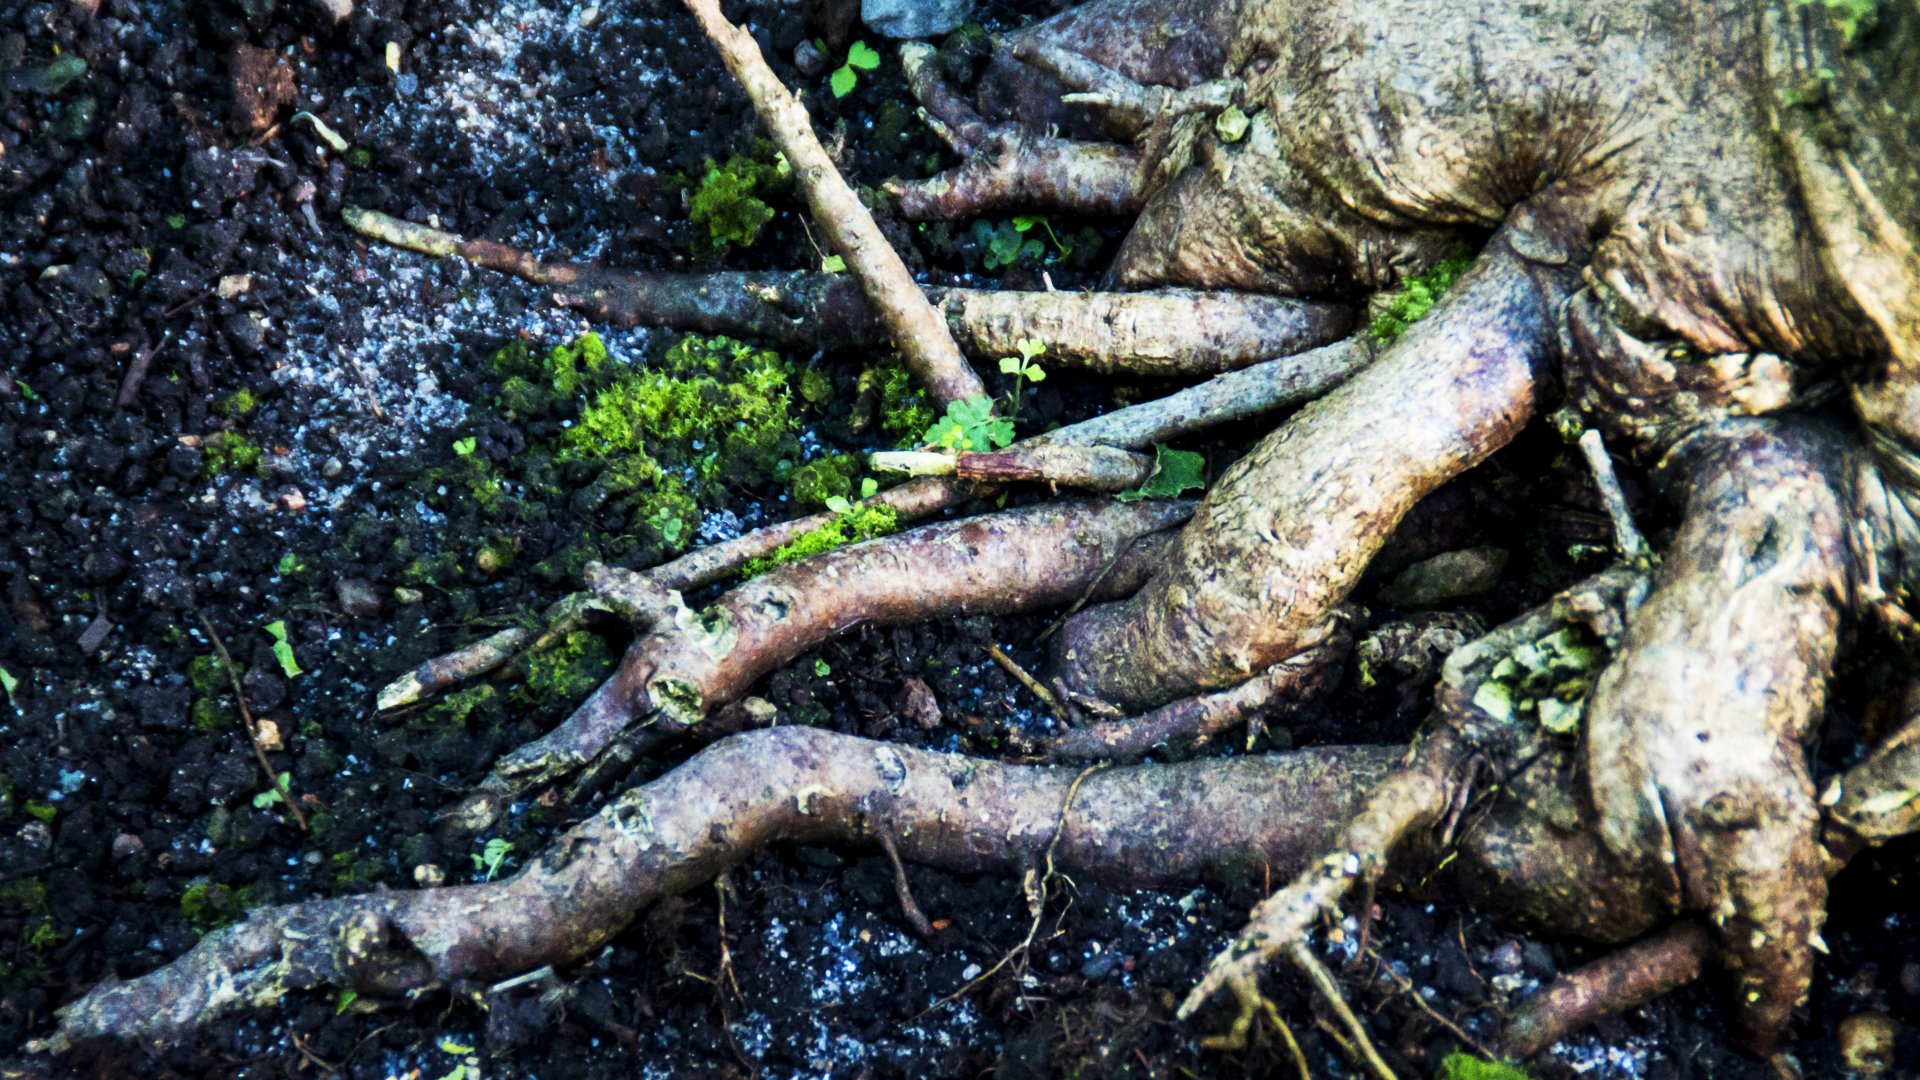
(253, 729)
(1632, 545)
(918, 330)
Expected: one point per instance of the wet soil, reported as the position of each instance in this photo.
(217, 404)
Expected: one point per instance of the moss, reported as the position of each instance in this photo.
(727, 203)
(906, 412)
(206, 675)
(1461, 1065)
(432, 570)
(495, 555)
(816, 387)
(209, 715)
(827, 478)
(238, 404)
(1416, 296)
(44, 936)
(520, 397)
(571, 668)
(28, 894)
(202, 905)
(666, 518)
(717, 404)
(229, 451)
(454, 709)
(568, 365)
(865, 522)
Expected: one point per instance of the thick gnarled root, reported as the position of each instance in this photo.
(1696, 735)
(692, 662)
(1285, 534)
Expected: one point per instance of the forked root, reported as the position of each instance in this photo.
(691, 662)
(1230, 398)
(1300, 516)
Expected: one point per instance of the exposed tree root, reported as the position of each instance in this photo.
(1294, 681)
(1176, 333)
(1298, 518)
(1142, 826)
(691, 662)
(1696, 734)
(1233, 397)
(1091, 468)
(916, 329)
(1624, 979)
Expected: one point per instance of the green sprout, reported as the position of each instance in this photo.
(847, 76)
(282, 650)
(969, 425)
(465, 447)
(492, 857)
(1023, 369)
(272, 796)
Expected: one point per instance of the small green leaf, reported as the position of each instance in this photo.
(342, 1000)
(839, 504)
(842, 81)
(282, 651)
(452, 1047)
(869, 487)
(464, 447)
(176, 221)
(1027, 221)
(862, 57)
(1231, 124)
(1035, 373)
(1009, 365)
(8, 682)
(1174, 472)
(821, 668)
(459, 1072)
(833, 264)
(1031, 348)
(271, 795)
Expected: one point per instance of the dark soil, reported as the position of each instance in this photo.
(216, 403)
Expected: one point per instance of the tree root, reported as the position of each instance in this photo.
(1696, 733)
(1173, 333)
(1623, 979)
(1299, 517)
(1145, 826)
(1089, 468)
(692, 662)
(916, 329)
(1294, 681)
(1230, 398)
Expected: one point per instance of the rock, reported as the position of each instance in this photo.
(1448, 576)
(810, 60)
(917, 704)
(265, 690)
(358, 598)
(427, 875)
(128, 846)
(1867, 1042)
(406, 596)
(914, 18)
(262, 86)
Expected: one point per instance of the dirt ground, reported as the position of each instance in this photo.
(218, 404)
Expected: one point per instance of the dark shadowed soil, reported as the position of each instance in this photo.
(216, 403)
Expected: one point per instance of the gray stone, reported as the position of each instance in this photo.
(1448, 576)
(914, 18)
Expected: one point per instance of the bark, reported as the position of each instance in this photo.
(1284, 535)
(1696, 735)
(1624, 979)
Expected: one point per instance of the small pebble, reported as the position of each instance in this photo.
(1867, 1042)
(427, 874)
(1507, 957)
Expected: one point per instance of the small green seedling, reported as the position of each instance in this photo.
(821, 668)
(1023, 369)
(1174, 472)
(667, 524)
(971, 426)
(176, 220)
(492, 857)
(833, 264)
(7, 683)
(272, 796)
(343, 1001)
(869, 487)
(464, 447)
(282, 650)
(847, 76)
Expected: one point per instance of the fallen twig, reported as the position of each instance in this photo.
(253, 728)
(918, 330)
